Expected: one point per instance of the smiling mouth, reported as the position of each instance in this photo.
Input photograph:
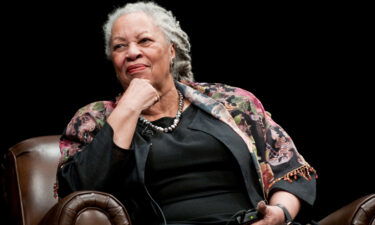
(135, 69)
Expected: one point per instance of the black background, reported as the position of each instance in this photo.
(310, 65)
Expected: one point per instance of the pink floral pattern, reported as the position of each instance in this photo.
(82, 128)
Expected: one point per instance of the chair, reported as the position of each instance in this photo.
(30, 175)
(359, 212)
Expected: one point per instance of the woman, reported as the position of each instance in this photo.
(174, 151)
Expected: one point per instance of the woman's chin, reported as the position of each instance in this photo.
(140, 75)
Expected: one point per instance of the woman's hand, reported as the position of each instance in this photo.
(139, 95)
(272, 215)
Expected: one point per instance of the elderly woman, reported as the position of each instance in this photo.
(174, 151)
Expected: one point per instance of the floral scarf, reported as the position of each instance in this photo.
(273, 151)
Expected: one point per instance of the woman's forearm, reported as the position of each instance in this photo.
(123, 123)
(95, 166)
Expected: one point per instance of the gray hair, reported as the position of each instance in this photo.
(181, 66)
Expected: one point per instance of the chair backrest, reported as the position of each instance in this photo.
(30, 177)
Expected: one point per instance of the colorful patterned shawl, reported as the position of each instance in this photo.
(276, 157)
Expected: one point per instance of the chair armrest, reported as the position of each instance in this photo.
(359, 212)
(87, 207)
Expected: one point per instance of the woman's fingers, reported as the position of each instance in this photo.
(262, 207)
(271, 214)
(139, 95)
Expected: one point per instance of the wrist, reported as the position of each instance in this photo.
(129, 108)
(287, 217)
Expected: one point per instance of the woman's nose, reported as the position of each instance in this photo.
(133, 52)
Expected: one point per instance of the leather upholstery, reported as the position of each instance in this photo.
(92, 217)
(31, 170)
(359, 212)
(30, 176)
(87, 207)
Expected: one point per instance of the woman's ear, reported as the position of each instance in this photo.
(172, 51)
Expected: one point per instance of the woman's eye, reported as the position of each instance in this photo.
(118, 46)
(144, 40)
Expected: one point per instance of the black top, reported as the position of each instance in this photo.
(193, 176)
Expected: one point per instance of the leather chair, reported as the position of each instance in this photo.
(359, 212)
(30, 176)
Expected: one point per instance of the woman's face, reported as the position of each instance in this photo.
(140, 50)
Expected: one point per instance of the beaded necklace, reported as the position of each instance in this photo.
(175, 121)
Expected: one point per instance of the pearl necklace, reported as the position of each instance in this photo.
(175, 121)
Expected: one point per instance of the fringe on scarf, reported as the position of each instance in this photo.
(303, 171)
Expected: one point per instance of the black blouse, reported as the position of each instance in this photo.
(193, 176)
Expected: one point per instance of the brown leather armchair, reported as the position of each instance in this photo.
(30, 176)
(359, 212)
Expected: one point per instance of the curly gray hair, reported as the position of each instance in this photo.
(181, 67)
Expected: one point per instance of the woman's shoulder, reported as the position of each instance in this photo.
(91, 115)
(88, 120)
(215, 89)
(98, 107)
(232, 97)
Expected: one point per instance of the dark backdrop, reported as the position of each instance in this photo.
(309, 65)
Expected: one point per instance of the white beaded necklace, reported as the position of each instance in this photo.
(175, 121)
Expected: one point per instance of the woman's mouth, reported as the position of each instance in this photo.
(135, 68)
